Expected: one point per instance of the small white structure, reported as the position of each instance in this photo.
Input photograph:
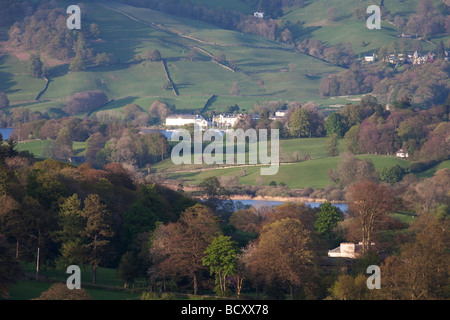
(278, 115)
(370, 58)
(259, 15)
(183, 119)
(402, 153)
(347, 250)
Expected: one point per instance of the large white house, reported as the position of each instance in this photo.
(179, 120)
(226, 120)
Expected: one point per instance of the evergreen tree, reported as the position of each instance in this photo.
(4, 101)
(332, 145)
(335, 124)
(328, 218)
(98, 231)
(36, 66)
(70, 233)
(440, 50)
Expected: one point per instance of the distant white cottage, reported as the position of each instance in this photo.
(179, 120)
(278, 115)
(370, 58)
(258, 14)
(402, 153)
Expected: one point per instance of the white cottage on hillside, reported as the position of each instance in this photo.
(370, 58)
(402, 153)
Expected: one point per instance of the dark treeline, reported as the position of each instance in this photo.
(426, 84)
(428, 19)
(368, 128)
(105, 142)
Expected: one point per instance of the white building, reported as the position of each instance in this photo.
(259, 15)
(347, 250)
(179, 120)
(278, 115)
(226, 120)
(370, 58)
(402, 154)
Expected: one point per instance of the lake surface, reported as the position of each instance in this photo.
(6, 132)
(266, 203)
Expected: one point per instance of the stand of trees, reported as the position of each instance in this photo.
(44, 29)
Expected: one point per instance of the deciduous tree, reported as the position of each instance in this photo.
(221, 257)
(299, 124)
(369, 201)
(285, 253)
(186, 242)
(332, 145)
(420, 271)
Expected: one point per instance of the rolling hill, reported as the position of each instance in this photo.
(262, 66)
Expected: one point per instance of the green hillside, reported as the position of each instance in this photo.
(264, 69)
(262, 66)
(347, 27)
(300, 175)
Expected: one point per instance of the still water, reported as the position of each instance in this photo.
(6, 132)
(265, 203)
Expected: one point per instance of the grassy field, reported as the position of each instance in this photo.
(300, 175)
(36, 147)
(312, 173)
(346, 27)
(16, 82)
(108, 287)
(430, 172)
